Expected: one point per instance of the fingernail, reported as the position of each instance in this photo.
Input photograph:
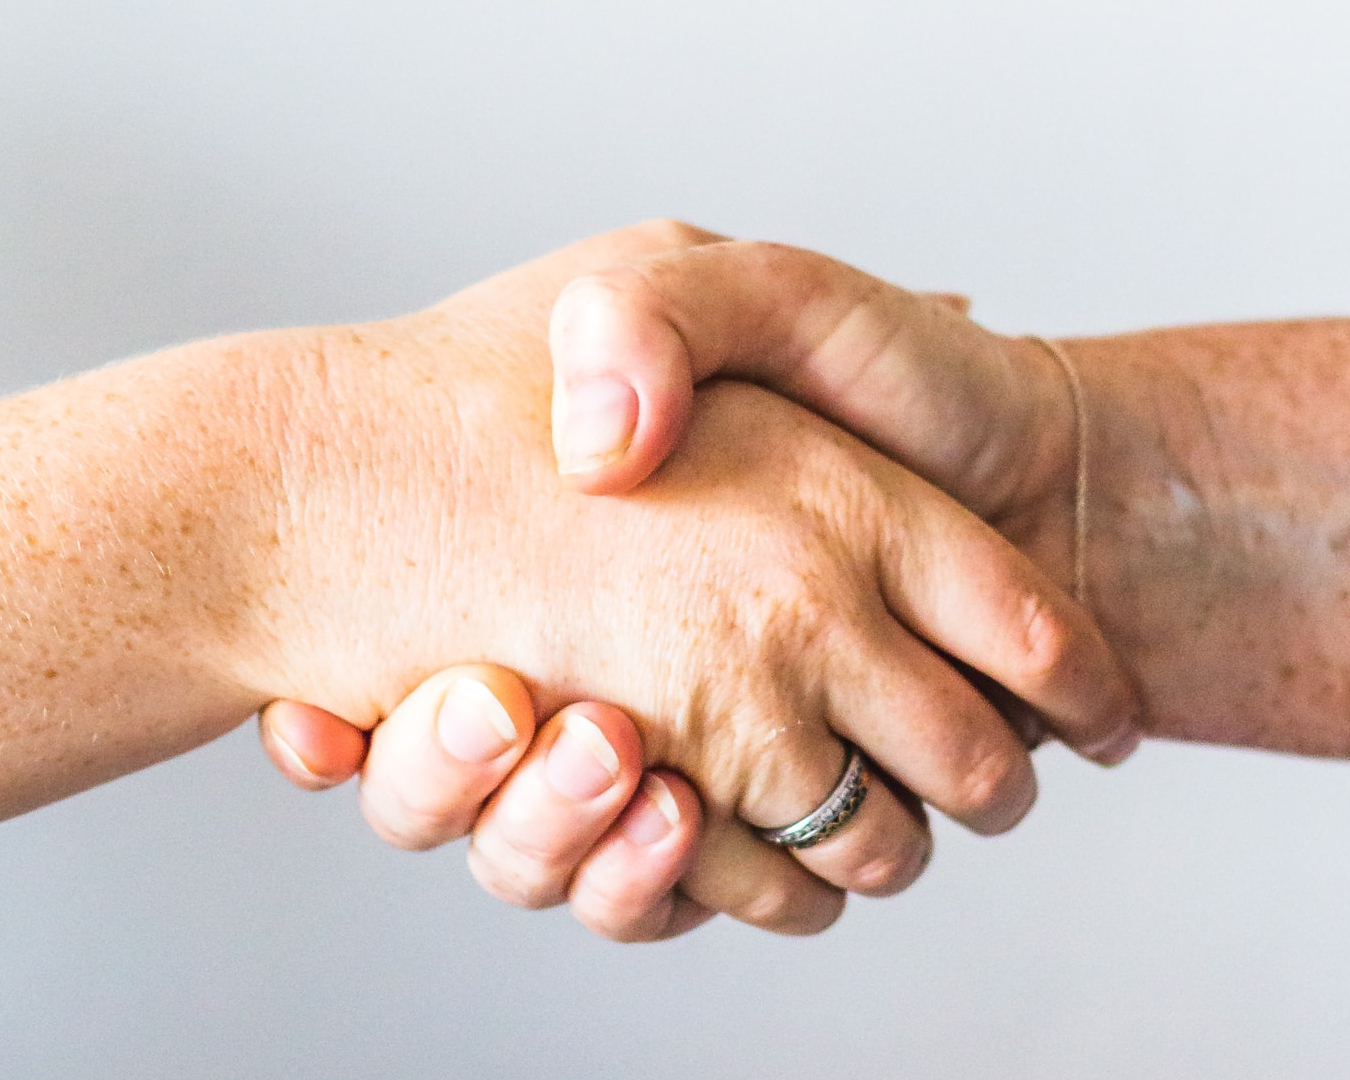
(291, 754)
(652, 813)
(581, 764)
(472, 724)
(1117, 748)
(597, 424)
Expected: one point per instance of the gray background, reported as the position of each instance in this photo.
(177, 169)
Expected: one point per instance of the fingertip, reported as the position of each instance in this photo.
(591, 736)
(1102, 718)
(481, 711)
(623, 383)
(1117, 748)
(555, 809)
(595, 419)
(478, 711)
(1133, 729)
(616, 479)
(313, 748)
(660, 423)
(665, 808)
(506, 686)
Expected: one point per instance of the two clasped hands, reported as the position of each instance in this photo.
(775, 592)
(675, 618)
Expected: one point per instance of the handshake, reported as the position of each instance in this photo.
(797, 561)
(775, 595)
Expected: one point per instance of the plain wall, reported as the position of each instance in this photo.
(175, 169)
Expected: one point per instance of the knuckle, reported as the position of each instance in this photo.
(618, 918)
(993, 792)
(1046, 642)
(584, 294)
(784, 909)
(407, 826)
(888, 874)
(771, 907)
(1054, 653)
(520, 875)
(598, 302)
(662, 234)
(794, 606)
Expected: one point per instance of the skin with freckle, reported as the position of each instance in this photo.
(1220, 507)
(1218, 532)
(332, 514)
(1217, 456)
(243, 509)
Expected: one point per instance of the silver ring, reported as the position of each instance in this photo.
(831, 815)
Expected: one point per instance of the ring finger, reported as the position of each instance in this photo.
(881, 847)
(877, 849)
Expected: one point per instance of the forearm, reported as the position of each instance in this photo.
(130, 508)
(1220, 511)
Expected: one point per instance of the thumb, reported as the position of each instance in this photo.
(623, 381)
(907, 373)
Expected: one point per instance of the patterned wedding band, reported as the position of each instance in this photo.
(831, 815)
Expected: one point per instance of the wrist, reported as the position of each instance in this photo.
(1040, 513)
(125, 500)
(201, 506)
(1191, 570)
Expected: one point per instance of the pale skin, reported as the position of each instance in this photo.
(1217, 550)
(330, 514)
(1220, 460)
